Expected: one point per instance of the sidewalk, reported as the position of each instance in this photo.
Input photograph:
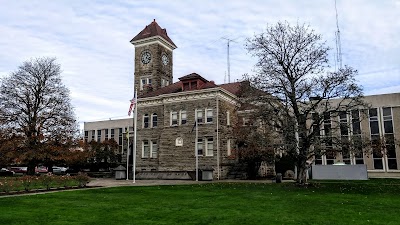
(108, 182)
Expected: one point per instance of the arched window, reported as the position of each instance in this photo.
(146, 121)
(154, 119)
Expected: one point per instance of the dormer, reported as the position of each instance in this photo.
(192, 82)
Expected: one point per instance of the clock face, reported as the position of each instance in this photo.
(165, 59)
(146, 57)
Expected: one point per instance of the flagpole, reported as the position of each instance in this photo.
(197, 152)
(134, 139)
(127, 154)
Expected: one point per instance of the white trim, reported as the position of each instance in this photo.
(206, 147)
(177, 118)
(202, 94)
(206, 116)
(154, 40)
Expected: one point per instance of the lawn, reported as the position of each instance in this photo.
(361, 202)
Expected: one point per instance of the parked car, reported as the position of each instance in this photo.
(41, 169)
(6, 172)
(19, 169)
(59, 170)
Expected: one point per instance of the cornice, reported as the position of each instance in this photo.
(210, 93)
(152, 40)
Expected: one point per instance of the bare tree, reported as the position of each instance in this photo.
(293, 67)
(36, 106)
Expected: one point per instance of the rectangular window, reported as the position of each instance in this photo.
(105, 134)
(93, 135)
(86, 135)
(98, 135)
(377, 152)
(200, 147)
(315, 123)
(120, 140)
(154, 119)
(210, 147)
(112, 134)
(355, 122)
(146, 121)
(228, 118)
(154, 149)
(174, 118)
(145, 149)
(199, 116)
(389, 138)
(183, 117)
(209, 115)
(343, 123)
(142, 83)
(228, 147)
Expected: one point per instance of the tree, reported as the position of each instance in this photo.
(293, 67)
(102, 155)
(255, 142)
(36, 107)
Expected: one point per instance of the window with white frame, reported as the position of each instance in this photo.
(210, 146)
(146, 121)
(98, 135)
(154, 149)
(154, 120)
(105, 134)
(389, 138)
(86, 136)
(145, 149)
(199, 146)
(174, 118)
(209, 115)
(356, 137)
(183, 117)
(228, 118)
(112, 134)
(375, 138)
(329, 153)
(344, 135)
(199, 116)
(145, 81)
(162, 82)
(228, 147)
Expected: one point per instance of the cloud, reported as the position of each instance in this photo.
(91, 40)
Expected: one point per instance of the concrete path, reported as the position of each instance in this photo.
(108, 182)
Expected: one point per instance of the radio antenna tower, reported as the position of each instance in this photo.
(338, 43)
(228, 61)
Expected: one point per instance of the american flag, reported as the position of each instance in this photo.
(131, 106)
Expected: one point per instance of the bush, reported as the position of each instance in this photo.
(82, 179)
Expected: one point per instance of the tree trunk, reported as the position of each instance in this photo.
(301, 174)
(31, 168)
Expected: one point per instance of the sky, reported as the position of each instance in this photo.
(90, 40)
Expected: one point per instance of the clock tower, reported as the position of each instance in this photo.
(153, 58)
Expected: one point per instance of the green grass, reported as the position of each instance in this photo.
(361, 202)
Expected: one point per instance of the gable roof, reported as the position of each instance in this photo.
(234, 88)
(152, 30)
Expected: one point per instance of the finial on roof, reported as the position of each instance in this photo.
(154, 20)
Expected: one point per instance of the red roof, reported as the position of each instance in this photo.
(152, 30)
(234, 88)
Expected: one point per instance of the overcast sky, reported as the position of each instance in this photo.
(90, 39)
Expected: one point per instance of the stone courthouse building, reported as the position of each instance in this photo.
(167, 113)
